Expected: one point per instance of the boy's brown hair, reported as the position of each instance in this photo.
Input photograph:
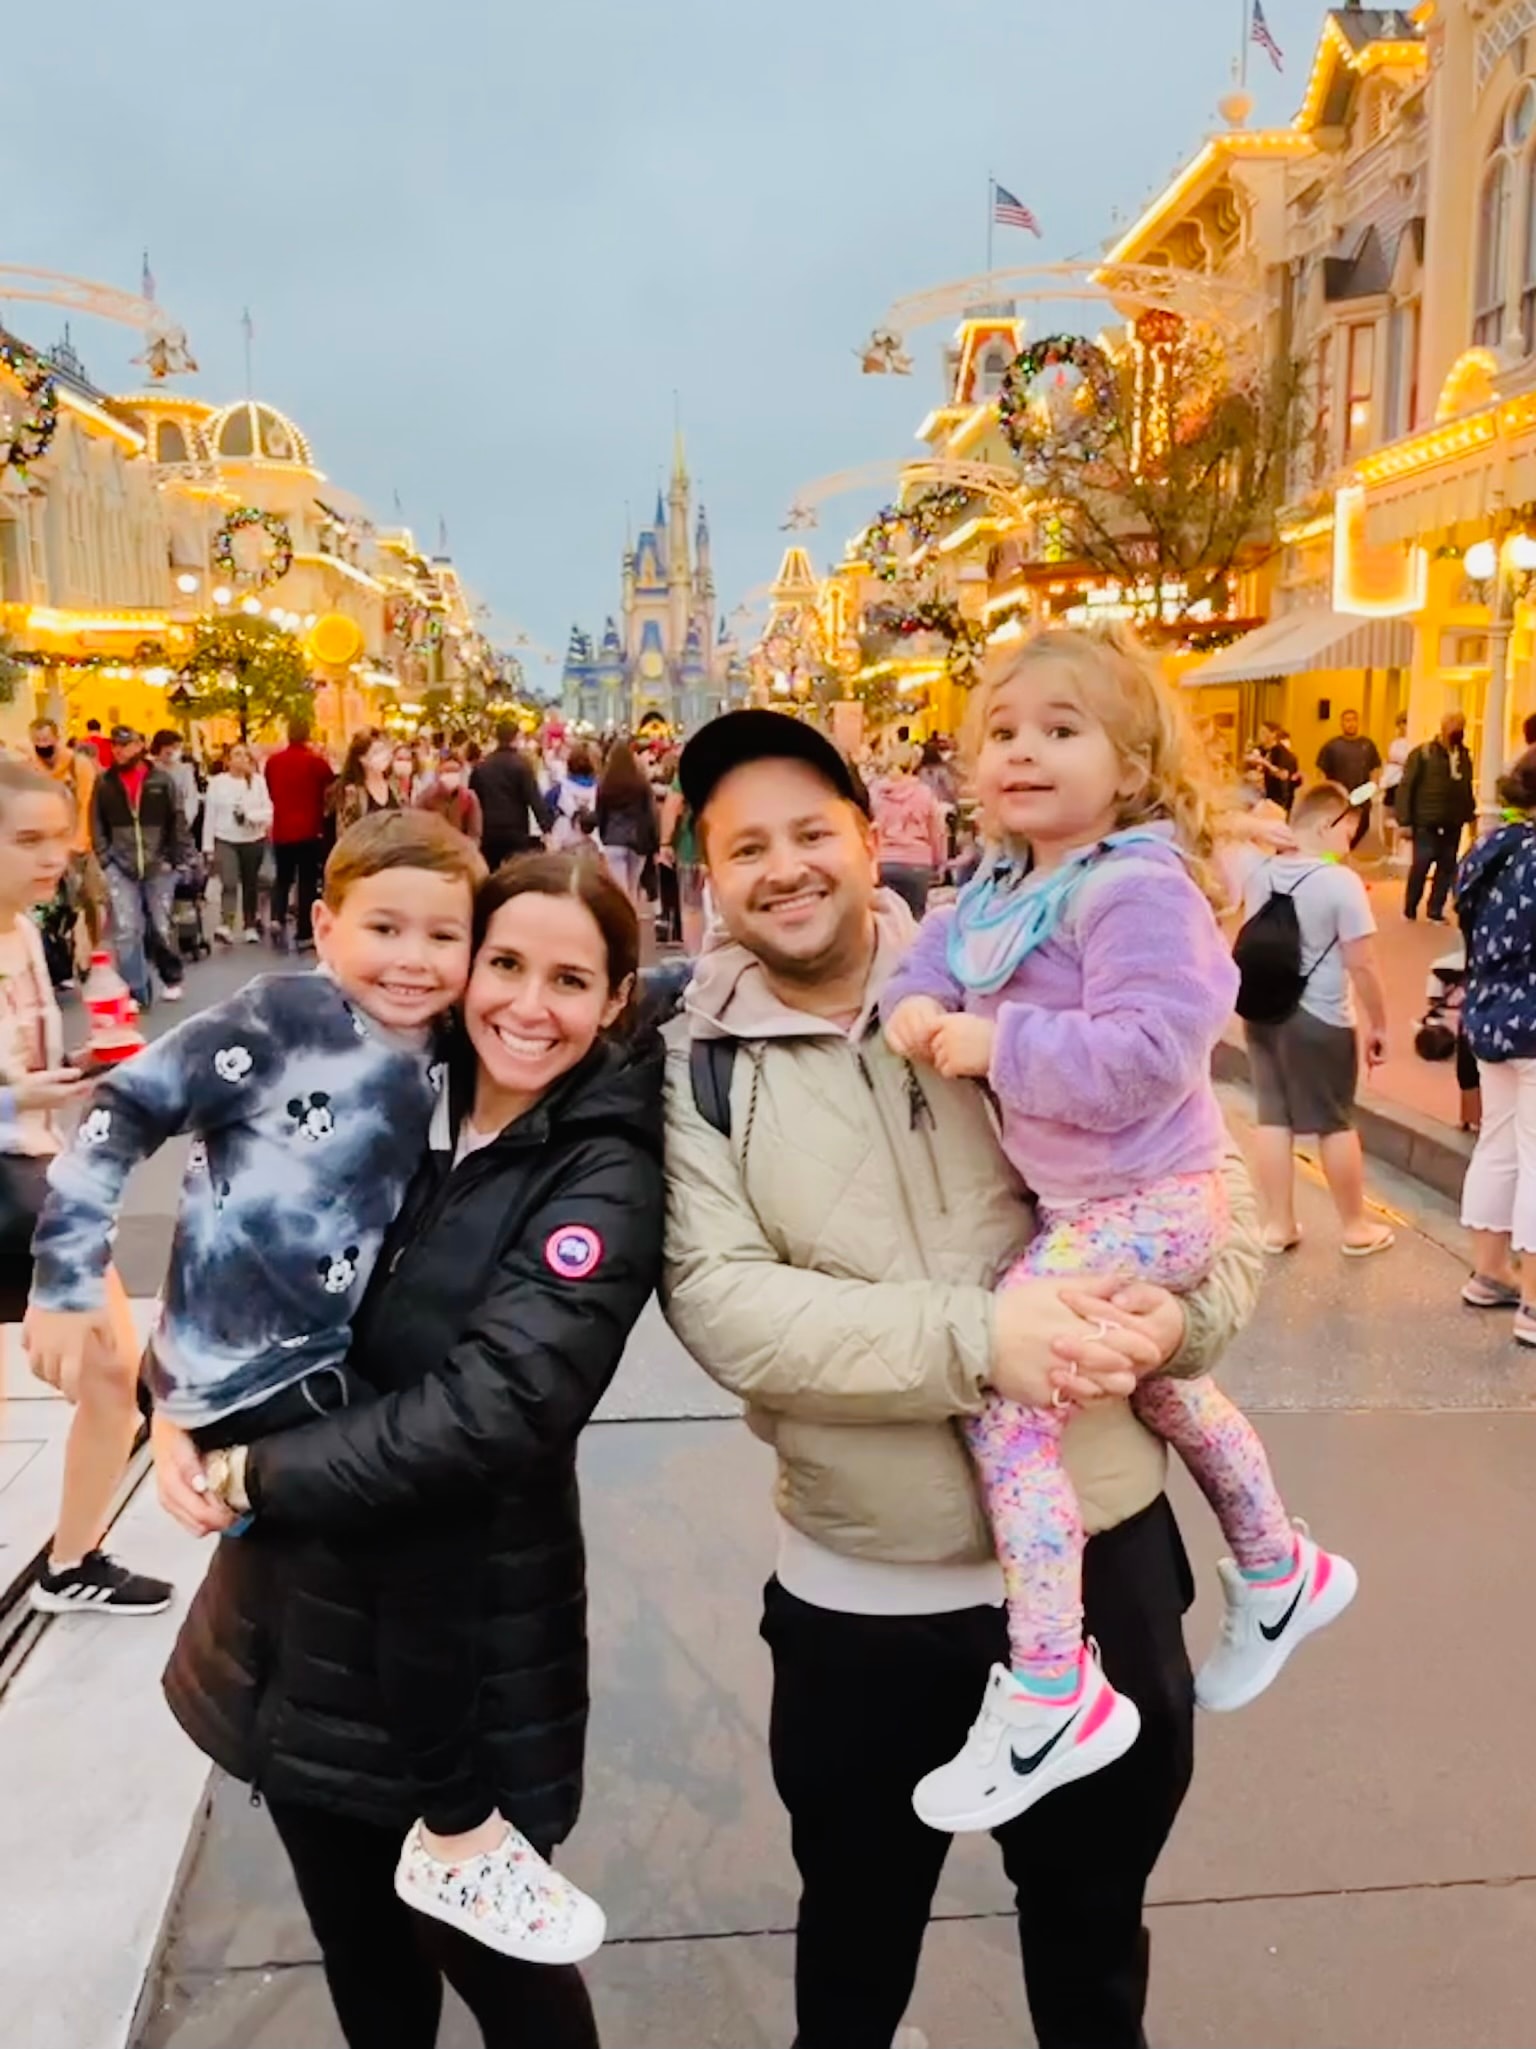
(400, 839)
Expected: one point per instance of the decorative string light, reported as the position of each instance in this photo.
(29, 437)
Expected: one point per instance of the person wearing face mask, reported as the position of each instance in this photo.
(1436, 802)
(403, 773)
(75, 772)
(365, 784)
(446, 794)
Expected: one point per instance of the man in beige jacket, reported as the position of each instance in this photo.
(830, 1258)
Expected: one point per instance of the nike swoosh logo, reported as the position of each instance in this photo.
(1273, 1634)
(1025, 1765)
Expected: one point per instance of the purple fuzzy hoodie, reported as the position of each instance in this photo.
(1102, 1061)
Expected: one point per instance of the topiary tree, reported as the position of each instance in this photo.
(248, 669)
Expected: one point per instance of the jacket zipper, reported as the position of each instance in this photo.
(924, 1123)
(885, 1133)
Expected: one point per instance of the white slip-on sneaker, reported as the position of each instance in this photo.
(510, 1899)
(1264, 1624)
(1022, 1747)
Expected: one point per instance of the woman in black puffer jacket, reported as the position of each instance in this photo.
(498, 1312)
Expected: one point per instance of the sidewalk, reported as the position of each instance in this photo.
(1409, 1108)
(1325, 1888)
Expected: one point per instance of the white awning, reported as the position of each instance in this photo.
(1302, 642)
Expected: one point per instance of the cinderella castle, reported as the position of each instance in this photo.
(664, 657)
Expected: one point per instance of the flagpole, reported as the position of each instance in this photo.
(248, 331)
(992, 213)
(1245, 37)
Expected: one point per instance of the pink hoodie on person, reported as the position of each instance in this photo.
(909, 824)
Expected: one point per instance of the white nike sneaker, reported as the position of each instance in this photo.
(1022, 1748)
(1264, 1624)
(510, 1899)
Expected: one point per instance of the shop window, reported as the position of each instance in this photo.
(1322, 418)
(1360, 387)
(1401, 409)
(1492, 254)
(993, 365)
(1528, 261)
(13, 565)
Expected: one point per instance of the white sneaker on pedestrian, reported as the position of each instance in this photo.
(510, 1899)
(1264, 1624)
(251, 936)
(1021, 1748)
(172, 992)
(223, 935)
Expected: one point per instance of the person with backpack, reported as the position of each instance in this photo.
(572, 801)
(1306, 952)
(835, 1226)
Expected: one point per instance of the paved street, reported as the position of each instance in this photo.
(1354, 1869)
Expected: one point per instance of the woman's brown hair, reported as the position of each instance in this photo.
(624, 780)
(574, 875)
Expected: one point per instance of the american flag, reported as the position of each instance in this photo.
(1260, 34)
(1010, 212)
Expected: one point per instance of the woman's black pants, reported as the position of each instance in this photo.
(385, 1965)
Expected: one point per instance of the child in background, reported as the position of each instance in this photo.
(308, 1098)
(1081, 973)
(37, 830)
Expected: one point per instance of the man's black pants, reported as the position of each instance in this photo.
(863, 1705)
(298, 861)
(1434, 847)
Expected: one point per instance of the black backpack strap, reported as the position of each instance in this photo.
(710, 1066)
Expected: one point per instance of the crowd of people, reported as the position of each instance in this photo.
(915, 1137)
(158, 829)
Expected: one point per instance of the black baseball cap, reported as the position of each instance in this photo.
(124, 736)
(737, 737)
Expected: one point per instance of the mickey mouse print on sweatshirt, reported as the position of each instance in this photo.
(309, 1124)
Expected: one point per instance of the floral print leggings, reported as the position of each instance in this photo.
(1169, 1233)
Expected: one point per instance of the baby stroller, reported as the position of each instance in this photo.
(189, 923)
(1440, 1035)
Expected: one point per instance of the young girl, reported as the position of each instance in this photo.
(1081, 973)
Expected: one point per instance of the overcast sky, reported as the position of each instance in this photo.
(483, 241)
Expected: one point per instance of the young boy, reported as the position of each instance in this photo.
(308, 1098)
(38, 827)
(1305, 1069)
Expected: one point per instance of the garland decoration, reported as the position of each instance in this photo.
(880, 545)
(921, 521)
(417, 628)
(1083, 439)
(273, 568)
(940, 616)
(28, 438)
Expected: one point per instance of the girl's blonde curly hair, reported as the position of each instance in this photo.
(1123, 687)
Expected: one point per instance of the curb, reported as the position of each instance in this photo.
(1422, 1147)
